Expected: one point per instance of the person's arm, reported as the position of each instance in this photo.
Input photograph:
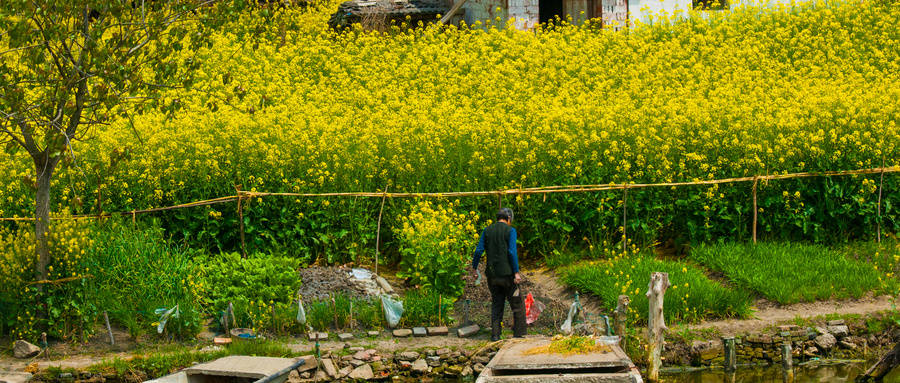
(513, 254)
(479, 249)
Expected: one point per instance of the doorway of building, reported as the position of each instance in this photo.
(549, 9)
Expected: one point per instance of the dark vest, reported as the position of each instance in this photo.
(496, 246)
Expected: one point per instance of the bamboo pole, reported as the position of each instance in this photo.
(730, 361)
(880, 188)
(240, 211)
(112, 339)
(656, 291)
(625, 219)
(378, 232)
(755, 209)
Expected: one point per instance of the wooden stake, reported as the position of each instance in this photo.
(378, 232)
(625, 220)
(787, 362)
(730, 361)
(755, 210)
(240, 209)
(880, 187)
(112, 339)
(656, 291)
(621, 316)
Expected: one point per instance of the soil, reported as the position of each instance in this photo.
(319, 282)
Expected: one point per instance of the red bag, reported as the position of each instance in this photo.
(533, 309)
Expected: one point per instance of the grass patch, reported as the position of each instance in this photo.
(791, 272)
(885, 256)
(691, 298)
(159, 364)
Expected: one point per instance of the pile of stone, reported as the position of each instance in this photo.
(359, 363)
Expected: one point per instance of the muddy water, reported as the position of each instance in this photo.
(824, 374)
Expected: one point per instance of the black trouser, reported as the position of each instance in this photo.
(502, 290)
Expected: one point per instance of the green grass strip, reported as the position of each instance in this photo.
(691, 298)
(791, 272)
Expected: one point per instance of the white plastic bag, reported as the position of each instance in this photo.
(393, 309)
(301, 313)
(566, 327)
(165, 314)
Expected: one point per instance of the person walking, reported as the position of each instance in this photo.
(502, 270)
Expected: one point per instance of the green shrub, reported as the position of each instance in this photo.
(257, 286)
(691, 297)
(435, 243)
(367, 313)
(425, 308)
(791, 272)
(68, 307)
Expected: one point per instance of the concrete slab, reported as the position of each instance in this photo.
(178, 377)
(373, 333)
(419, 331)
(467, 331)
(516, 355)
(402, 332)
(345, 336)
(438, 331)
(254, 367)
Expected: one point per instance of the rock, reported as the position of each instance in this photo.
(788, 327)
(306, 375)
(385, 286)
(836, 322)
(309, 364)
(847, 345)
(442, 351)
(466, 371)
(402, 332)
(362, 355)
(373, 333)
(328, 366)
(376, 358)
(356, 362)
(478, 368)
(345, 336)
(826, 341)
(362, 372)
(322, 376)
(294, 377)
(345, 371)
(431, 352)
(839, 331)
(356, 349)
(453, 370)
(313, 336)
(706, 350)
(467, 331)
(821, 330)
(420, 366)
(346, 358)
(23, 349)
(405, 365)
(438, 331)
(419, 331)
(433, 361)
(408, 356)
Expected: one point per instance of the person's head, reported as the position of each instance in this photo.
(505, 214)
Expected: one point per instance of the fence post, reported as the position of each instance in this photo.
(621, 315)
(880, 187)
(659, 282)
(625, 219)
(755, 209)
(240, 209)
(378, 233)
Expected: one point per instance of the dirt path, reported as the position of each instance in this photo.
(773, 315)
(546, 281)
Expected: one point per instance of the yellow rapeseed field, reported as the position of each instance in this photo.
(301, 108)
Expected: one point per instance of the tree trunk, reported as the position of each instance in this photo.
(44, 169)
(656, 291)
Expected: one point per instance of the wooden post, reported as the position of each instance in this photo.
(656, 291)
(621, 316)
(755, 209)
(499, 200)
(240, 209)
(880, 187)
(787, 362)
(625, 219)
(730, 361)
(229, 313)
(112, 339)
(378, 233)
